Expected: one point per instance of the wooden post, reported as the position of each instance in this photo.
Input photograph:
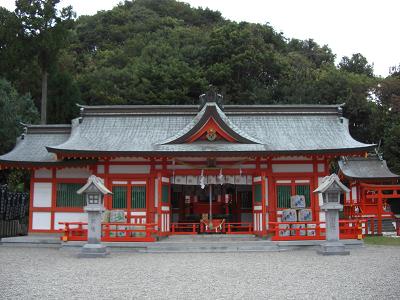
(380, 209)
(264, 204)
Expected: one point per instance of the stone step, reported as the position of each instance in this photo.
(208, 247)
(211, 238)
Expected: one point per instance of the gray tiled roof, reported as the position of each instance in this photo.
(366, 168)
(31, 146)
(131, 129)
(148, 130)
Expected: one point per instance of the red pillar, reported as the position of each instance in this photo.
(380, 209)
(264, 204)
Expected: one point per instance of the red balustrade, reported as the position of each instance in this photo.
(184, 228)
(238, 228)
(111, 232)
(292, 231)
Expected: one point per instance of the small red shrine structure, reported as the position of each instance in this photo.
(168, 165)
(375, 192)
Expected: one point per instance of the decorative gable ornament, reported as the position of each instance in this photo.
(211, 134)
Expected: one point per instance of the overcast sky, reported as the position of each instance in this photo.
(369, 27)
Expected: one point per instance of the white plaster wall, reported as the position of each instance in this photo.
(129, 169)
(266, 192)
(68, 217)
(42, 194)
(43, 173)
(321, 168)
(354, 193)
(156, 193)
(41, 221)
(283, 168)
(73, 173)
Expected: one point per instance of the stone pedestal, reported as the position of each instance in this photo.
(332, 246)
(94, 248)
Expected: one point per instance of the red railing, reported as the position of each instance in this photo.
(195, 228)
(184, 228)
(291, 231)
(111, 232)
(238, 228)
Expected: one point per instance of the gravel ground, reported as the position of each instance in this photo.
(372, 272)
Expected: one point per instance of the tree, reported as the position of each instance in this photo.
(14, 109)
(45, 29)
(356, 64)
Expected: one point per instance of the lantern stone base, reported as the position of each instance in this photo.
(93, 251)
(333, 248)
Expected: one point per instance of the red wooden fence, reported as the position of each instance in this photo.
(111, 232)
(294, 231)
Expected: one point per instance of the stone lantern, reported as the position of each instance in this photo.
(331, 188)
(94, 191)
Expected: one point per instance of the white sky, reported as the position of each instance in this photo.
(370, 27)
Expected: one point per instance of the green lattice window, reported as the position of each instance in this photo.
(246, 200)
(67, 196)
(304, 190)
(138, 197)
(119, 197)
(257, 193)
(284, 192)
(165, 193)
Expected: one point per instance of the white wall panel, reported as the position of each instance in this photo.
(289, 168)
(321, 168)
(41, 220)
(42, 194)
(68, 217)
(354, 193)
(320, 200)
(129, 169)
(73, 173)
(43, 173)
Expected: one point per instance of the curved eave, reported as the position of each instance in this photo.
(89, 153)
(35, 164)
(372, 178)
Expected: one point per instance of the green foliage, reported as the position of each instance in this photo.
(44, 27)
(13, 110)
(357, 64)
(166, 52)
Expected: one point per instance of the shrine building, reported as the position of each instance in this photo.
(175, 165)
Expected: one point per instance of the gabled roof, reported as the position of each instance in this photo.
(365, 168)
(212, 112)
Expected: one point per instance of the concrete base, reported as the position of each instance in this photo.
(93, 251)
(333, 248)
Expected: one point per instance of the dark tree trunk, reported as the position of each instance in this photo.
(43, 118)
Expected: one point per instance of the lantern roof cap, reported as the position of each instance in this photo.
(97, 182)
(328, 181)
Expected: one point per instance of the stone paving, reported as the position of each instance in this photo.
(372, 272)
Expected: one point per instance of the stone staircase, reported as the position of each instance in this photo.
(212, 243)
(387, 225)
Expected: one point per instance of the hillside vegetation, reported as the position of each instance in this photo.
(166, 52)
